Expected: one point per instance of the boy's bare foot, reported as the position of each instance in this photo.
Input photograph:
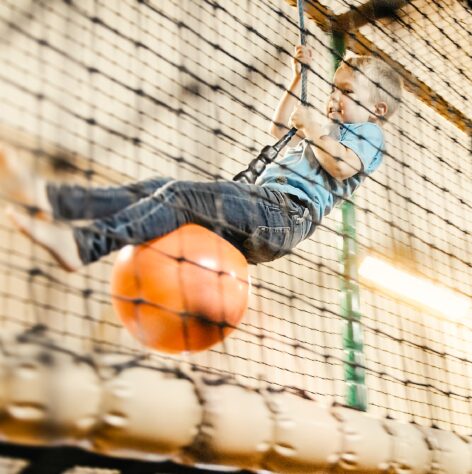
(57, 240)
(19, 186)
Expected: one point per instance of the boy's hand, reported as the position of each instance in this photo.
(302, 55)
(301, 117)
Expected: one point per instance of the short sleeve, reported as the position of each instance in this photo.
(366, 140)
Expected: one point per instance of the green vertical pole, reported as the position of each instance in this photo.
(354, 360)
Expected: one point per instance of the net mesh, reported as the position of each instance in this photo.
(98, 93)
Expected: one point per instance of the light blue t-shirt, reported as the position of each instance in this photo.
(299, 172)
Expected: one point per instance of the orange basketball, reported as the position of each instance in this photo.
(184, 291)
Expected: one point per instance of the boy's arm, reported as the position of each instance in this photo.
(280, 121)
(279, 125)
(335, 158)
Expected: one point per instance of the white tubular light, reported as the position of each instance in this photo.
(415, 289)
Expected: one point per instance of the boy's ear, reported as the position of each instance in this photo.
(381, 109)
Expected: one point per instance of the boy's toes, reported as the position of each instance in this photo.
(25, 224)
(58, 241)
(21, 221)
(7, 157)
(19, 186)
(12, 186)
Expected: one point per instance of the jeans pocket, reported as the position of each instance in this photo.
(267, 243)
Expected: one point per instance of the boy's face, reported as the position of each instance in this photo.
(349, 101)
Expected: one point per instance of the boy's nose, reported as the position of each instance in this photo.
(335, 94)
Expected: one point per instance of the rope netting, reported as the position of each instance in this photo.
(103, 93)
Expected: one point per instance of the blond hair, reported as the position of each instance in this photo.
(382, 81)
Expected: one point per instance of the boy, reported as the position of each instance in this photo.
(265, 220)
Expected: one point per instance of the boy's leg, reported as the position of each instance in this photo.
(81, 202)
(262, 223)
(65, 201)
(253, 218)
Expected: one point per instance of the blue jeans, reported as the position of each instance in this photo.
(261, 222)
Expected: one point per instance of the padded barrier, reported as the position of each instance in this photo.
(120, 407)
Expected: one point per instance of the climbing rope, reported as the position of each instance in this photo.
(270, 152)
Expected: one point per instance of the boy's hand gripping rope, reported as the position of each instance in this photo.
(270, 152)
